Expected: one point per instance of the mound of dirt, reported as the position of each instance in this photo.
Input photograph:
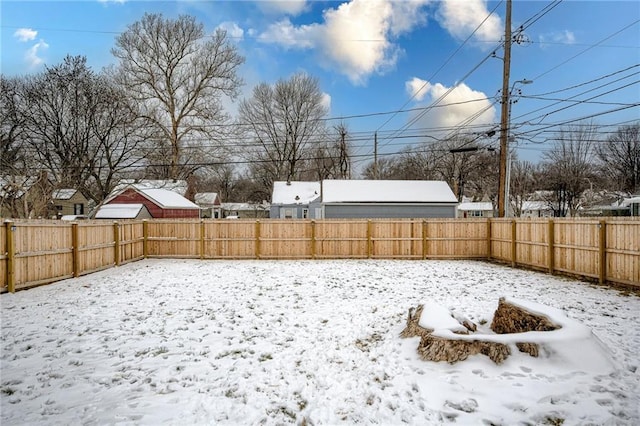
(508, 319)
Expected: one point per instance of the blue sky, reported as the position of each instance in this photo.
(374, 58)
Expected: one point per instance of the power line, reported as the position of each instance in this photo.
(586, 50)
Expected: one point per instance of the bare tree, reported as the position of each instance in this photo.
(619, 157)
(78, 127)
(332, 159)
(283, 121)
(178, 75)
(522, 184)
(12, 129)
(568, 167)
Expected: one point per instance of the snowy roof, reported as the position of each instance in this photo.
(387, 191)
(168, 199)
(16, 186)
(535, 205)
(476, 206)
(206, 198)
(119, 211)
(64, 194)
(179, 186)
(295, 192)
(243, 206)
(628, 201)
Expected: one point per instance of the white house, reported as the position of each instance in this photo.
(475, 209)
(209, 203)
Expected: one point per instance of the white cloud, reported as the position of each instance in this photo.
(417, 88)
(25, 34)
(461, 17)
(285, 34)
(288, 7)
(356, 37)
(462, 103)
(112, 1)
(565, 37)
(32, 55)
(326, 101)
(232, 29)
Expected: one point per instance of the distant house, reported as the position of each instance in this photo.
(623, 207)
(475, 209)
(291, 200)
(69, 202)
(245, 210)
(536, 209)
(122, 211)
(161, 203)
(25, 196)
(363, 199)
(634, 206)
(209, 203)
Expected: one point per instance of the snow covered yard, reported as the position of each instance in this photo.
(315, 342)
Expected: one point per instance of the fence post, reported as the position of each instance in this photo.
(74, 249)
(513, 243)
(424, 239)
(11, 253)
(257, 239)
(201, 239)
(369, 242)
(313, 239)
(552, 251)
(602, 270)
(145, 238)
(488, 238)
(116, 245)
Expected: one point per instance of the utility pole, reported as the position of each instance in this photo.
(504, 121)
(375, 156)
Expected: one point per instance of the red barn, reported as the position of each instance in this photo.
(161, 203)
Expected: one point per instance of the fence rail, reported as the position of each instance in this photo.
(605, 250)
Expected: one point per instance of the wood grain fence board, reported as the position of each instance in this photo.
(282, 239)
(532, 243)
(575, 244)
(623, 251)
(501, 240)
(56, 241)
(96, 250)
(230, 239)
(340, 239)
(4, 258)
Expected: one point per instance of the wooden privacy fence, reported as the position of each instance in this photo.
(606, 250)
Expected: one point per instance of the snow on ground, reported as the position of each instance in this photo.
(315, 342)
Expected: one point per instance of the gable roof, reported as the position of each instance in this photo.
(64, 194)
(387, 191)
(179, 186)
(163, 198)
(476, 206)
(167, 199)
(206, 198)
(120, 211)
(295, 192)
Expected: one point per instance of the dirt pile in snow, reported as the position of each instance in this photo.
(508, 319)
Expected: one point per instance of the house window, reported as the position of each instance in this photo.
(78, 209)
(58, 208)
(288, 213)
(476, 213)
(305, 213)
